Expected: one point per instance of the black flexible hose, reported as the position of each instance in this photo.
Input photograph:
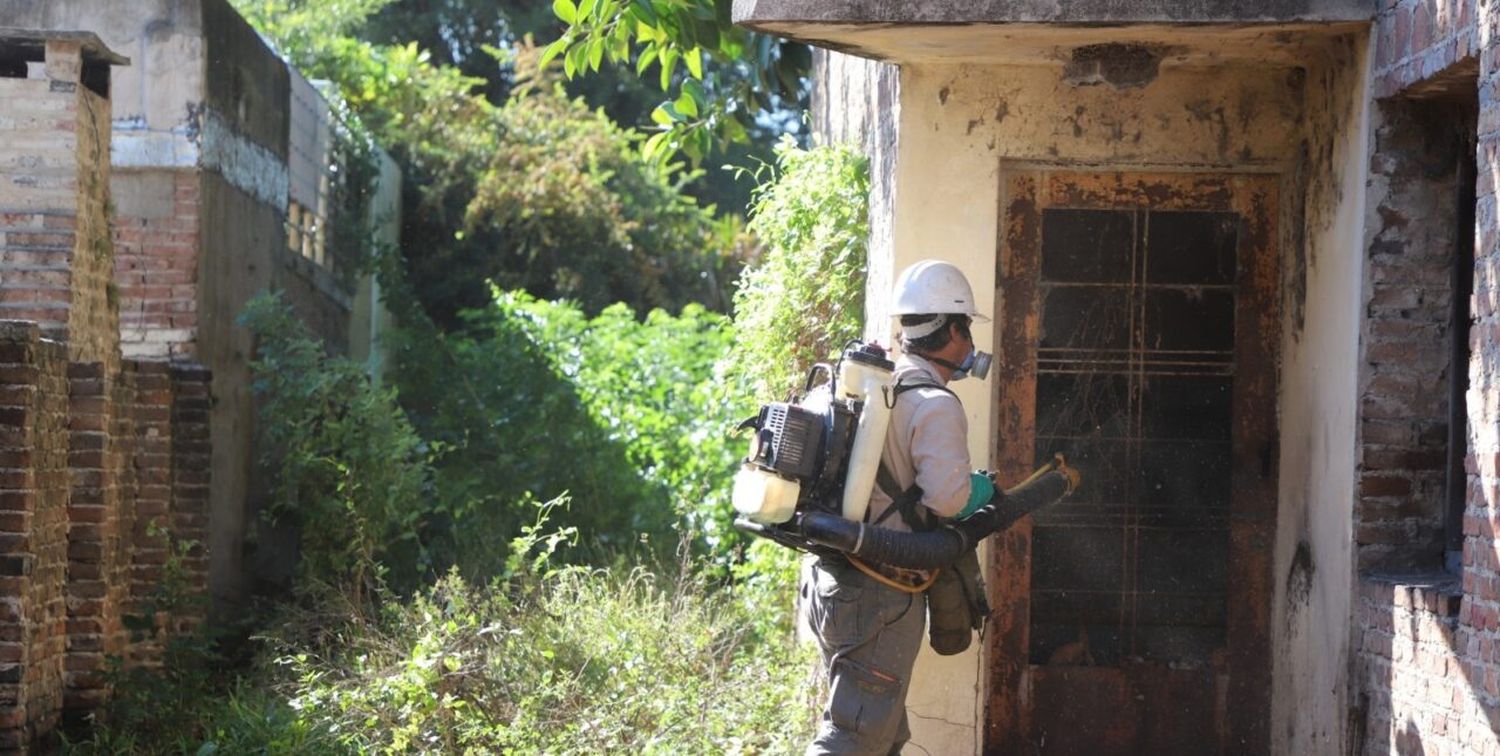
(934, 548)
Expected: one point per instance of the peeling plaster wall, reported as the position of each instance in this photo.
(963, 125)
(156, 97)
(1313, 571)
(858, 101)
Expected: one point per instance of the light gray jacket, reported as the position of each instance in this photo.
(927, 443)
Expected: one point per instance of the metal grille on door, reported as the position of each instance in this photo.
(1138, 331)
(1135, 370)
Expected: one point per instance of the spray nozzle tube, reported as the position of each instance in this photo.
(944, 545)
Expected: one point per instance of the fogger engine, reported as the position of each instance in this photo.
(819, 452)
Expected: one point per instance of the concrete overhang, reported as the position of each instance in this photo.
(1200, 32)
(768, 14)
(31, 44)
(1279, 44)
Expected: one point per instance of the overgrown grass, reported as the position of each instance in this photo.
(553, 660)
(629, 415)
(582, 661)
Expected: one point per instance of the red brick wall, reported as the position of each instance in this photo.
(1407, 339)
(170, 463)
(34, 488)
(1424, 682)
(156, 269)
(1427, 673)
(90, 461)
(1417, 40)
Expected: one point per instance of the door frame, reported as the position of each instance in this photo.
(1244, 688)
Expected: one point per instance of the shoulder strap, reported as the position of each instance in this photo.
(905, 502)
(902, 388)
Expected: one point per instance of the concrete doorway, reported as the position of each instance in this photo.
(1139, 334)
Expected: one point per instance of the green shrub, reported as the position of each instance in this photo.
(630, 418)
(156, 714)
(348, 468)
(541, 192)
(656, 386)
(550, 659)
(804, 297)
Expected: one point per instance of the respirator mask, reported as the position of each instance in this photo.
(976, 364)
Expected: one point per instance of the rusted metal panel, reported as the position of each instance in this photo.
(1009, 578)
(1156, 191)
(1149, 709)
(1140, 701)
(1253, 533)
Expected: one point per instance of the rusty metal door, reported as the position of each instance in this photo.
(1138, 332)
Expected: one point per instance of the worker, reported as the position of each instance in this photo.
(868, 617)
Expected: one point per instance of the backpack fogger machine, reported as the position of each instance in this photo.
(813, 461)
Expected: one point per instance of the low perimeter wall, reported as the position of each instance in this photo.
(104, 474)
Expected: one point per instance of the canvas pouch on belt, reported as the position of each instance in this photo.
(956, 606)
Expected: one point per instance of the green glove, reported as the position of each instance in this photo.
(981, 490)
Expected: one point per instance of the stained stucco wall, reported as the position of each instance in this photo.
(1313, 573)
(963, 126)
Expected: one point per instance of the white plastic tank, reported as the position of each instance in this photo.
(763, 496)
(865, 374)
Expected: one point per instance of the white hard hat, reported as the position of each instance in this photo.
(933, 287)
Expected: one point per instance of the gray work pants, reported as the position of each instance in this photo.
(869, 635)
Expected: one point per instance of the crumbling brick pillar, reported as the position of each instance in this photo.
(98, 561)
(55, 251)
(192, 449)
(34, 489)
(170, 464)
(151, 464)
